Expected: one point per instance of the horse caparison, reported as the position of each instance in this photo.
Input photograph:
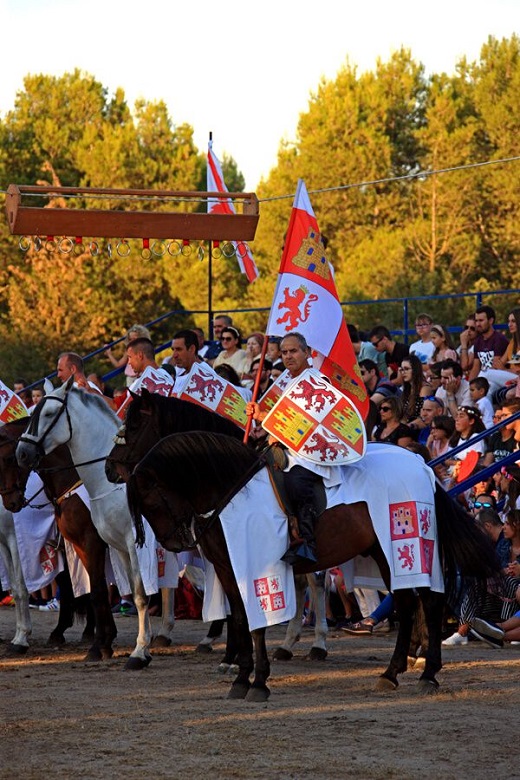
(186, 475)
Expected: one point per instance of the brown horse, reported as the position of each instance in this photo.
(188, 476)
(74, 524)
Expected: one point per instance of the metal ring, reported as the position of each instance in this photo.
(120, 245)
(186, 250)
(216, 252)
(79, 249)
(200, 252)
(227, 246)
(37, 243)
(161, 248)
(94, 248)
(24, 243)
(66, 245)
(146, 253)
(109, 249)
(177, 248)
(50, 245)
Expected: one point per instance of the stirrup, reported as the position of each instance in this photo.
(300, 553)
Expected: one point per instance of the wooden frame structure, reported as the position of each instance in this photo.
(112, 223)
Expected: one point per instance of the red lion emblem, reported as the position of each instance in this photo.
(315, 396)
(293, 303)
(206, 388)
(329, 449)
(154, 386)
(424, 519)
(407, 556)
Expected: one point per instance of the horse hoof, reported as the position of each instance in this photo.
(16, 649)
(239, 691)
(316, 654)
(56, 640)
(93, 655)
(135, 663)
(106, 653)
(160, 641)
(428, 687)
(386, 684)
(258, 694)
(204, 649)
(281, 654)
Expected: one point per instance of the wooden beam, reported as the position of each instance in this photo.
(112, 223)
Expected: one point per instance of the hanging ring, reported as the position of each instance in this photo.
(123, 248)
(79, 248)
(24, 243)
(66, 245)
(186, 248)
(37, 243)
(174, 248)
(109, 249)
(50, 244)
(159, 248)
(228, 250)
(146, 253)
(94, 248)
(200, 252)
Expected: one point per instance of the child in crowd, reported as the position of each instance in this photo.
(479, 389)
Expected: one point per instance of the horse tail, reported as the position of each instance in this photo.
(134, 505)
(465, 550)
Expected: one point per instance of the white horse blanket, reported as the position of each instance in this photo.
(398, 488)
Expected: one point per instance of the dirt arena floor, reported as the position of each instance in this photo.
(63, 718)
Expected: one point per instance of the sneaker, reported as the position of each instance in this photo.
(455, 639)
(363, 628)
(128, 610)
(489, 640)
(382, 628)
(7, 601)
(487, 628)
(51, 606)
(121, 608)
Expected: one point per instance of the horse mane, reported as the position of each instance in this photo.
(91, 400)
(192, 460)
(179, 415)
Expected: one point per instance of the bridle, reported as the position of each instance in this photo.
(38, 443)
(120, 439)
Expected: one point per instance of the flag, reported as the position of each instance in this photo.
(11, 406)
(215, 183)
(155, 380)
(205, 387)
(306, 300)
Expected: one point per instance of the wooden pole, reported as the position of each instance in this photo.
(256, 385)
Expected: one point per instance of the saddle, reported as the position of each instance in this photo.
(276, 461)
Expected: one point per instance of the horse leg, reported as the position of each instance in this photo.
(66, 613)
(20, 642)
(294, 628)
(239, 628)
(259, 692)
(163, 638)
(140, 656)
(405, 604)
(318, 651)
(433, 605)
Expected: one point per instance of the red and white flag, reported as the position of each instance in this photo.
(11, 406)
(155, 380)
(306, 300)
(205, 387)
(215, 183)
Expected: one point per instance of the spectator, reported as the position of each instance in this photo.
(265, 380)
(466, 351)
(490, 346)
(433, 377)
(274, 353)
(512, 388)
(424, 347)
(432, 407)
(455, 389)
(220, 321)
(135, 332)
(232, 352)
(391, 430)
(414, 391)
(226, 371)
(37, 394)
(441, 430)
(513, 323)
(202, 346)
(443, 345)
(393, 352)
(364, 350)
(468, 424)
(478, 390)
(501, 443)
(254, 344)
(512, 407)
(277, 369)
(377, 387)
(19, 386)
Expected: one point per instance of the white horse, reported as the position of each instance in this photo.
(87, 425)
(9, 546)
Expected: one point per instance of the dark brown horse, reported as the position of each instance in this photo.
(186, 476)
(74, 524)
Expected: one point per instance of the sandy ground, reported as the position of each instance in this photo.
(63, 718)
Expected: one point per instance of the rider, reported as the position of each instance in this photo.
(300, 480)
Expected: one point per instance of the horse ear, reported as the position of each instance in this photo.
(145, 396)
(134, 395)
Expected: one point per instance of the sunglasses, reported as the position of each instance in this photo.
(227, 338)
(375, 343)
(385, 409)
(471, 327)
(479, 504)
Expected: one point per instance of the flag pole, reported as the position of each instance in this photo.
(210, 272)
(256, 385)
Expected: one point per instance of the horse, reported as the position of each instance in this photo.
(9, 546)
(87, 425)
(184, 482)
(149, 418)
(74, 523)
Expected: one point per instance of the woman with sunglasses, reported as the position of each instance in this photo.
(443, 345)
(232, 352)
(391, 430)
(414, 391)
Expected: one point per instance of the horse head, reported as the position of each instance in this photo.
(13, 478)
(50, 426)
(140, 431)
